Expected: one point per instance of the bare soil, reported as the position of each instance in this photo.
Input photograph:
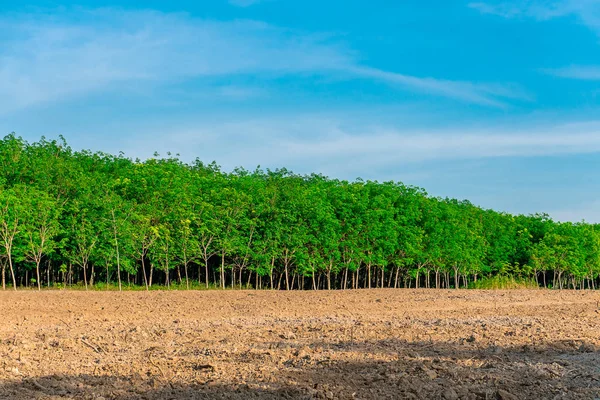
(365, 344)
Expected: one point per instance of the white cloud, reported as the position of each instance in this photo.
(234, 92)
(244, 3)
(582, 72)
(590, 212)
(538, 9)
(48, 58)
(308, 143)
(587, 11)
(488, 94)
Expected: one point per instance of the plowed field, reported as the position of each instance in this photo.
(365, 344)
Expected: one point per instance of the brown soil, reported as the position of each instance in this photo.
(366, 344)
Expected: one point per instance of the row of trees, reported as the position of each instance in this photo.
(79, 217)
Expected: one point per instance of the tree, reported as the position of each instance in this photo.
(11, 215)
(40, 227)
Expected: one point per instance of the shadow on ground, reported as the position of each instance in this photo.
(391, 369)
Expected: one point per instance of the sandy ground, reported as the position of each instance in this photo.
(365, 344)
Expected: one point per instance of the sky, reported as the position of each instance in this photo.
(497, 102)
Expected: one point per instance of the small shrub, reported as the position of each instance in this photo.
(504, 282)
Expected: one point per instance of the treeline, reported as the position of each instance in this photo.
(79, 217)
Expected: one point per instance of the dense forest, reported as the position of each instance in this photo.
(93, 220)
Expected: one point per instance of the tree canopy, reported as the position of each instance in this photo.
(90, 218)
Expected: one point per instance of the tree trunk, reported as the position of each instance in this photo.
(37, 271)
(117, 249)
(544, 278)
(187, 279)
(287, 278)
(223, 269)
(279, 281)
(85, 281)
(205, 270)
(272, 268)
(417, 278)
(345, 278)
(144, 270)
(92, 275)
(456, 278)
(12, 272)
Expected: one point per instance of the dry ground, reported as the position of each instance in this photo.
(366, 344)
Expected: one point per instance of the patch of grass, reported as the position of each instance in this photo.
(504, 282)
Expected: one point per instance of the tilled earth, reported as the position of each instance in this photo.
(365, 344)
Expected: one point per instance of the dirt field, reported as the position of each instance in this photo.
(414, 344)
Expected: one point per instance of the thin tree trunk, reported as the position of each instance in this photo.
(544, 278)
(187, 279)
(272, 268)
(287, 278)
(279, 281)
(117, 249)
(12, 272)
(222, 269)
(205, 270)
(144, 270)
(92, 275)
(37, 270)
(85, 281)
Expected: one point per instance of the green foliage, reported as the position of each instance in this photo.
(96, 221)
(504, 282)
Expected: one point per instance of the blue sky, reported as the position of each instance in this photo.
(493, 101)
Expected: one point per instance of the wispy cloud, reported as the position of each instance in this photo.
(537, 9)
(72, 53)
(582, 72)
(588, 211)
(344, 147)
(587, 11)
(244, 3)
(234, 92)
(480, 93)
